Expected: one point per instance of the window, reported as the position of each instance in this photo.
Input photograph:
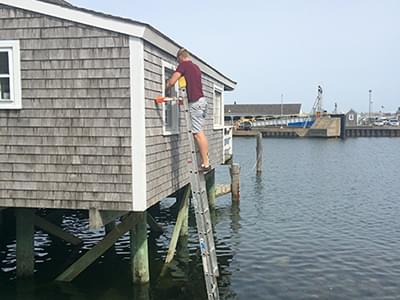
(171, 108)
(218, 108)
(351, 117)
(10, 75)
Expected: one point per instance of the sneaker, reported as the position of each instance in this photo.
(204, 168)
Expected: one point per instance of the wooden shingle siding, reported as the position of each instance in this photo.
(167, 155)
(70, 145)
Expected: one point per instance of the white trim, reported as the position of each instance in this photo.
(175, 115)
(138, 128)
(78, 16)
(221, 124)
(12, 47)
(143, 31)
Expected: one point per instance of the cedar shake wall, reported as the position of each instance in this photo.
(167, 155)
(69, 146)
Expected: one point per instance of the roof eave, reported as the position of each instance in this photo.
(119, 25)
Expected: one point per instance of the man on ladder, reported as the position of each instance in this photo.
(197, 102)
(195, 107)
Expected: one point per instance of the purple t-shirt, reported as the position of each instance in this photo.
(192, 74)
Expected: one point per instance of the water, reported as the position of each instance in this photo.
(322, 222)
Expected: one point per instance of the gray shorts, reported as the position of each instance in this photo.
(198, 111)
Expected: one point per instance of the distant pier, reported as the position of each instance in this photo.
(290, 132)
(368, 131)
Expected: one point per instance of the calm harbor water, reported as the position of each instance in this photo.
(322, 222)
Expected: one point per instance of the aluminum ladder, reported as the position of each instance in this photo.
(200, 201)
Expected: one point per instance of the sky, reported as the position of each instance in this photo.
(287, 47)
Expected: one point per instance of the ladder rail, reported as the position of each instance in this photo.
(202, 211)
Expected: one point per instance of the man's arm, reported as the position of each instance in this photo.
(174, 78)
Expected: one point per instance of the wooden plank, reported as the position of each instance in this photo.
(89, 257)
(25, 242)
(140, 255)
(56, 231)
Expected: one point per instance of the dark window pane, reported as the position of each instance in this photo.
(5, 88)
(4, 63)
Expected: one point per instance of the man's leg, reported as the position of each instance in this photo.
(202, 143)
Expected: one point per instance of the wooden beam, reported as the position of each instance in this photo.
(56, 231)
(89, 257)
(100, 218)
(154, 226)
(184, 232)
(140, 254)
(182, 215)
(222, 189)
(25, 242)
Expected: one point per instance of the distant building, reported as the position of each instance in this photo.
(351, 118)
(234, 112)
(398, 113)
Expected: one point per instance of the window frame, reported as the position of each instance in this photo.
(174, 128)
(14, 67)
(218, 124)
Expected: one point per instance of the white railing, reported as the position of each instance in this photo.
(227, 143)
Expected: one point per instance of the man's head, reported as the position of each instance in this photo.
(182, 55)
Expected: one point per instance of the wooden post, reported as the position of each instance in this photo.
(139, 251)
(25, 235)
(180, 220)
(259, 151)
(234, 170)
(210, 187)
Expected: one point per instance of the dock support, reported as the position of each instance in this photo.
(180, 229)
(25, 239)
(139, 251)
(210, 187)
(89, 257)
(234, 170)
(259, 153)
(186, 191)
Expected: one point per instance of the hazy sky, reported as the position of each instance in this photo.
(287, 47)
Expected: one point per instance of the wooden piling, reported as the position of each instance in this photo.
(139, 251)
(25, 242)
(234, 170)
(259, 154)
(210, 187)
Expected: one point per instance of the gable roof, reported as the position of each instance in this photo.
(58, 2)
(261, 109)
(63, 10)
